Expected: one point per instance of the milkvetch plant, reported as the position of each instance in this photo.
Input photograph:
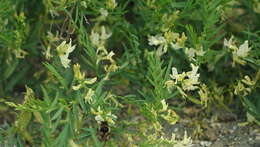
(115, 73)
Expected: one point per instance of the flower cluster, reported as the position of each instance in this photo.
(244, 86)
(175, 40)
(238, 52)
(80, 78)
(101, 116)
(98, 38)
(171, 117)
(188, 80)
(185, 142)
(192, 53)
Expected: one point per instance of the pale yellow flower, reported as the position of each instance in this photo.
(169, 84)
(243, 50)
(76, 87)
(171, 36)
(248, 81)
(193, 79)
(164, 105)
(99, 119)
(64, 50)
(190, 52)
(77, 74)
(189, 80)
(90, 80)
(171, 117)
(48, 54)
(156, 40)
(99, 37)
(105, 34)
(111, 4)
(80, 77)
(111, 68)
(174, 74)
(229, 43)
(200, 52)
(89, 95)
(104, 13)
(94, 38)
(181, 41)
(103, 116)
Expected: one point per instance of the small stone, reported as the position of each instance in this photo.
(218, 144)
(257, 137)
(225, 132)
(210, 134)
(205, 143)
(253, 132)
(231, 131)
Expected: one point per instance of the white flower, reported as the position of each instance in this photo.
(111, 4)
(193, 72)
(105, 34)
(228, 43)
(64, 50)
(243, 49)
(161, 50)
(103, 12)
(238, 52)
(190, 52)
(177, 77)
(193, 79)
(110, 55)
(90, 81)
(189, 83)
(98, 38)
(105, 55)
(175, 46)
(156, 40)
(174, 74)
(77, 87)
(99, 118)
(94, 38)
(110, 118)
(180, 42)
(200, 52)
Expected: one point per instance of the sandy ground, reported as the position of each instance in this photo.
(216, 133)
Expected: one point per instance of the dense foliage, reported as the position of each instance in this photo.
(113, 72)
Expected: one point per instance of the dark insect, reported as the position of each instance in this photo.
(103, 131)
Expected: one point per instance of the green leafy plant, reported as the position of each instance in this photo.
(114, 73)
